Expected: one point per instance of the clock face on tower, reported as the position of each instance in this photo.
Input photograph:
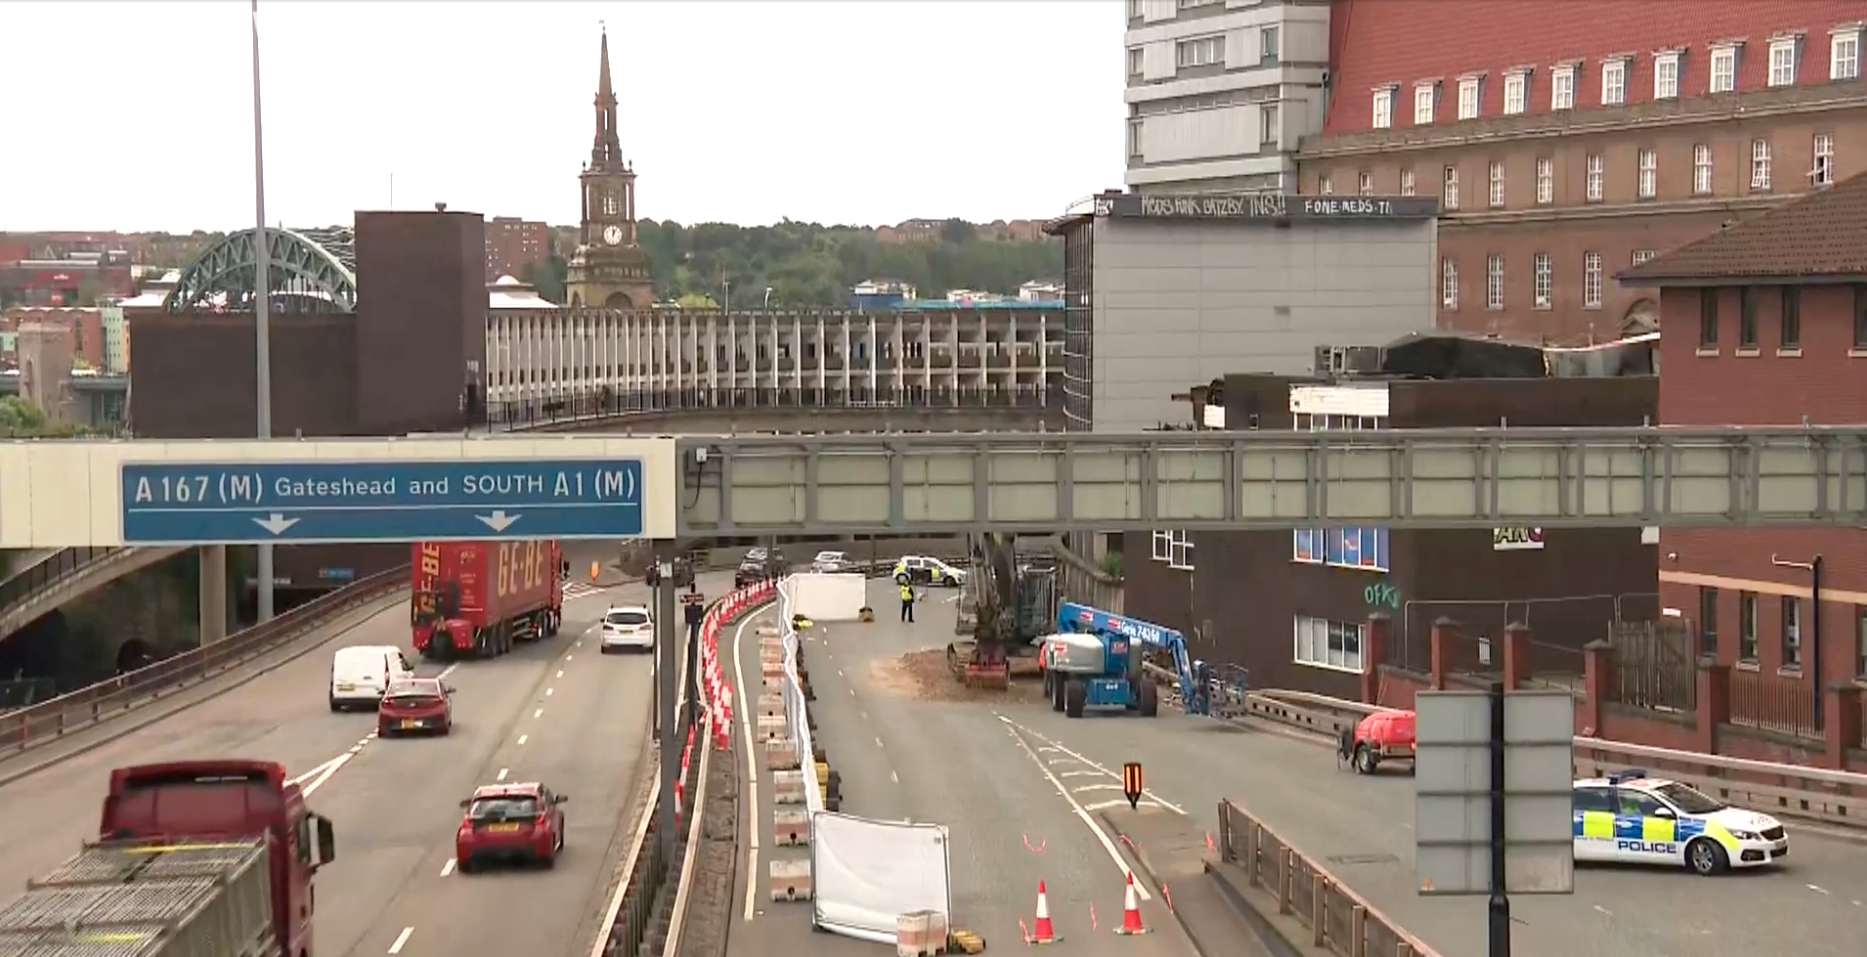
(612, 235)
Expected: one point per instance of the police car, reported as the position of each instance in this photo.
(1630, 818)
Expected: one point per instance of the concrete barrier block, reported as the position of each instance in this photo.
(781, 754)
(790, 826)
(772, 726)
(773, 682)
(787, 787)
(790, 881)
(770, 704)
(766, 630)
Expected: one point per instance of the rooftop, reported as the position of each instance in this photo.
(1822, 236)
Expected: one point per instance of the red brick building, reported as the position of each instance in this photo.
(1765, 323)
(1570, 139)
(512, 244)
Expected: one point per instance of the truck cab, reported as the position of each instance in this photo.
(196, 801)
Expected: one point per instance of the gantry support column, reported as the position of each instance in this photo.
(213, 612)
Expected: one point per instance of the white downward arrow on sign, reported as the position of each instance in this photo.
(499, 521)
(277, 524)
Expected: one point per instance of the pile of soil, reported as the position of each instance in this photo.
(923, 676)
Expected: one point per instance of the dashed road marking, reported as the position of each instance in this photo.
(401, 939)
(548, 692)
(524, 738)
(878, 742)
(892, 776)
(538, 713)
(1076, 807)
(1053, 746)
(503, 772)
(560, 672)
(447, 868)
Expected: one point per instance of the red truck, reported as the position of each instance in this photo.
(195, 857)
(479, 599)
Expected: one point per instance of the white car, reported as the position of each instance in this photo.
(829, 562)
(628, 626)
(1630, 818)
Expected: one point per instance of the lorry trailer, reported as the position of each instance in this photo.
(196, 859)
(479, 599)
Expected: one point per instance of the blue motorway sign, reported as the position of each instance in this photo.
(175, 503)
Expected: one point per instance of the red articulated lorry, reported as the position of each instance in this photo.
(479, 599)
(196, 858)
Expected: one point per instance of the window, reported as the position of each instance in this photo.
(1747, 627)
(1791, 331)
(1708, 318)
(1494, 281)
(1783, 61)
(1649, 174)
(1562, 88)
(1383, 108)
(1362, 547)
(1613, 82)
(1204, 51)
(1134, 61)
(1844, 54)
(1267, 46)
(611, 204)
(1364, 184)
(1642, 255)
(1448, 283)
(1860, 317)
(1723, 69)
(1134, 137)
(1541, 280)
(1516, 92)
(1707, 621)
(1759, 164)
(1326, 185)
(1497, 184)
(1593, 184)
(1701, 170)
(1747, 318)
(1163, 545)
(1792, 632)
(1469, 97)
(1268, 120)
(1328, 644)
(1666, 76)
(1451, 197)
(1425, 101)
(1175, 547)
(1823, 172)
(1591, 280)
(1593, 799)
(1545, 180)
(1406, 182)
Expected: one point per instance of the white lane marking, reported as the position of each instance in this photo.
(447, 670)
(1604, 911)
(1818, 890)
(839, 672)
(892, 776)
(548, 692)
(852, 691)
(503, 772)
(401, 939)
(1081, 813)
(1098, 787)
(1105, 805)
(878, 742)
(745, 725)
(538, 713)
(1157, 799)
(524, 738)
(1080, 774)
(560, 672)
(314, 772)
(447, 868)
(312, 786)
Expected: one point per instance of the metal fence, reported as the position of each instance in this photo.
(1559, 629)
(604, 403)
(1785, 704)
(20, 588)
(1654, 665)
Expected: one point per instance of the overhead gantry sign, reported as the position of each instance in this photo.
(62, 494)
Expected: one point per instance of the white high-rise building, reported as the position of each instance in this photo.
(1221, 91)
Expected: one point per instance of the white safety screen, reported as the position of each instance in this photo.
(823, 596)
(868, 873)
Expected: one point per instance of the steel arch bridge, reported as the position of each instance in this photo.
(310, 271)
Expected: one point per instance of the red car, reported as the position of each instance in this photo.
(510, 822)
(415, 705)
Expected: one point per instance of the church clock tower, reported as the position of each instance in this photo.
(608, 269)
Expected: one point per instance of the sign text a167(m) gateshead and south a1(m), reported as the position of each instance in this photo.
(243, 502)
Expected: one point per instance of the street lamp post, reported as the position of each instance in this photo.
(262, 316)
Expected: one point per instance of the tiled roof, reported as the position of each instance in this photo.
(1822, 234)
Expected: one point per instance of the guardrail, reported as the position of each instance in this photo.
(1818, 794)
(20, 587)
(1257, 863)
(45, 722)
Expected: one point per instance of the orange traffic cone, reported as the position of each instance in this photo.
(1130, 912)
(594, 569)
(1042, 932)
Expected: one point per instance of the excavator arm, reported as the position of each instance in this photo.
(984, 662)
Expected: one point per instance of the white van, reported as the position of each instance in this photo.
(362, 674)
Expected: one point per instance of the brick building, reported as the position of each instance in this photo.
(513, 245)
(1293, 607)
(1766, 324)
(1570, 140)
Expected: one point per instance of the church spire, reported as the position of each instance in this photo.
(606, 149)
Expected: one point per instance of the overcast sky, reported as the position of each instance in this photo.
(138, 116)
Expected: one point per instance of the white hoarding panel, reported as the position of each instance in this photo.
(1452, 782)
(822, 596)
(868, 873)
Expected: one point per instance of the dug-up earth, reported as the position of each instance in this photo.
(923, 676)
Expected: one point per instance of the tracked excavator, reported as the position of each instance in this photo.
(1006, 606)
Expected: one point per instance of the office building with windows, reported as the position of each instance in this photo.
(1220, 92)
(1570, 140)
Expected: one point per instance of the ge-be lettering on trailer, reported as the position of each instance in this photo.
(479, 599)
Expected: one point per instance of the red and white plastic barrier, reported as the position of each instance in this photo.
(718, 691)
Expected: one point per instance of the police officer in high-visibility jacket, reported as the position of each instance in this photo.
(907, 598)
